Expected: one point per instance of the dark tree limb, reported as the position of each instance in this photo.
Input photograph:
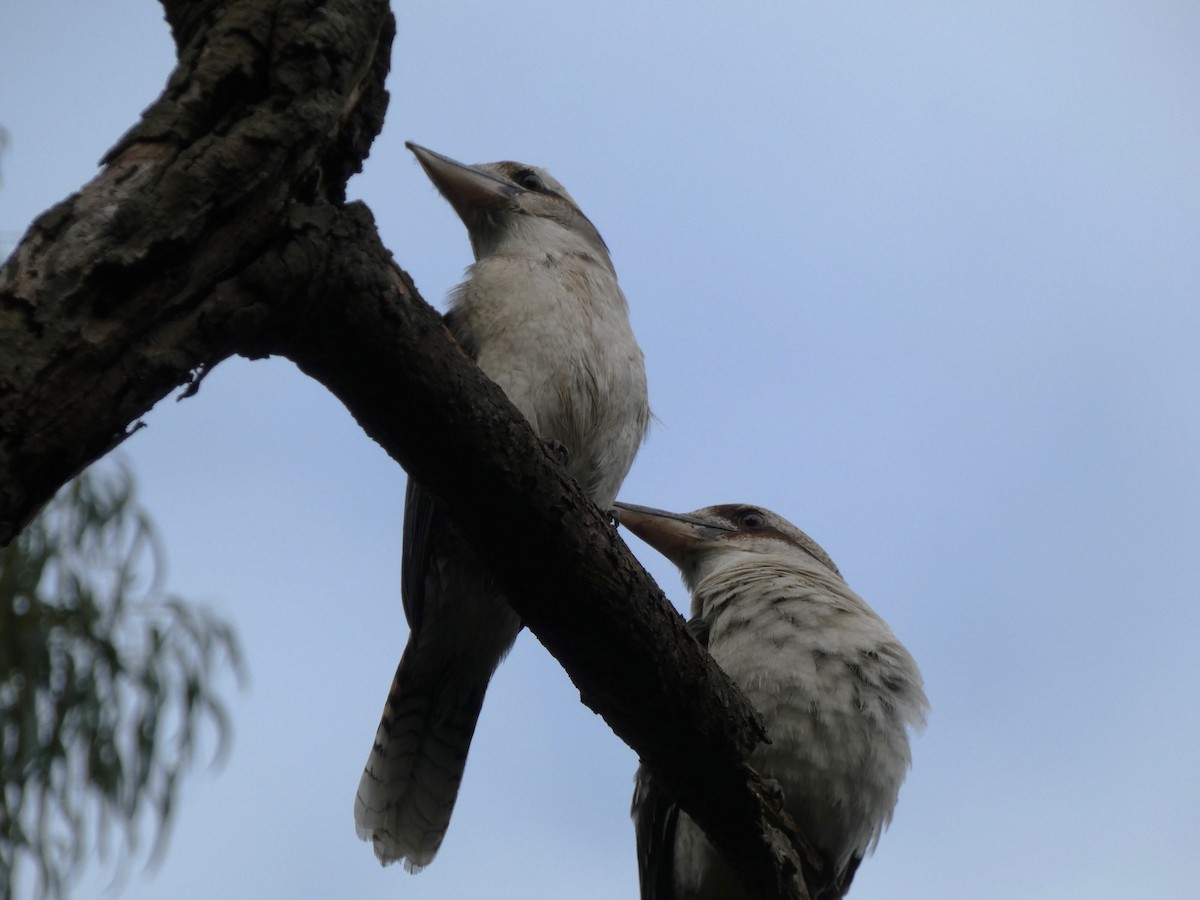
(113, 298)
(218, 226)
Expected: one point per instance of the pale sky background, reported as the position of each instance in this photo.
(922, 277)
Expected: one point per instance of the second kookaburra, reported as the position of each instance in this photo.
(542, 315)
(837, 691)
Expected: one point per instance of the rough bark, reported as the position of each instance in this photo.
(217, 226)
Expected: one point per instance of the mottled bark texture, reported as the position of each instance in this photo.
(218, 226)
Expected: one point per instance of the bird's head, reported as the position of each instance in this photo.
(709, 539)
(511, 208)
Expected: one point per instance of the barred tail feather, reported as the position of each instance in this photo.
(411, 779)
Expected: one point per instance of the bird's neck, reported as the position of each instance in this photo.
(771, 579)
(545, 241)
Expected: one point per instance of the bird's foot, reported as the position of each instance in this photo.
(559, 450)
(774, 794)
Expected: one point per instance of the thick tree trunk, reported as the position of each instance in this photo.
(218, 226)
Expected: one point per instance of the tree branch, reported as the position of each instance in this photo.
(217, 227)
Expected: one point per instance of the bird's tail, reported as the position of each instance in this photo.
(411, 779)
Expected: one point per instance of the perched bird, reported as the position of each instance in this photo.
(837, 691)
(542, 314)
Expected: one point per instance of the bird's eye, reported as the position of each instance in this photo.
(753, 519)
(530, 180)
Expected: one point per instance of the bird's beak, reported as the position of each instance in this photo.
(671, 534)
(467, 188)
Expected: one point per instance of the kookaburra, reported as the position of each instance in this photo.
(541, 313)
(838, 693)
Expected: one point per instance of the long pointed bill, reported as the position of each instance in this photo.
(671, 534)
(465, 187)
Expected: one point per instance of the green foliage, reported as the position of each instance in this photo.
(105, 685)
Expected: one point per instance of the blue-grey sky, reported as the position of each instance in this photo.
(924, 278)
